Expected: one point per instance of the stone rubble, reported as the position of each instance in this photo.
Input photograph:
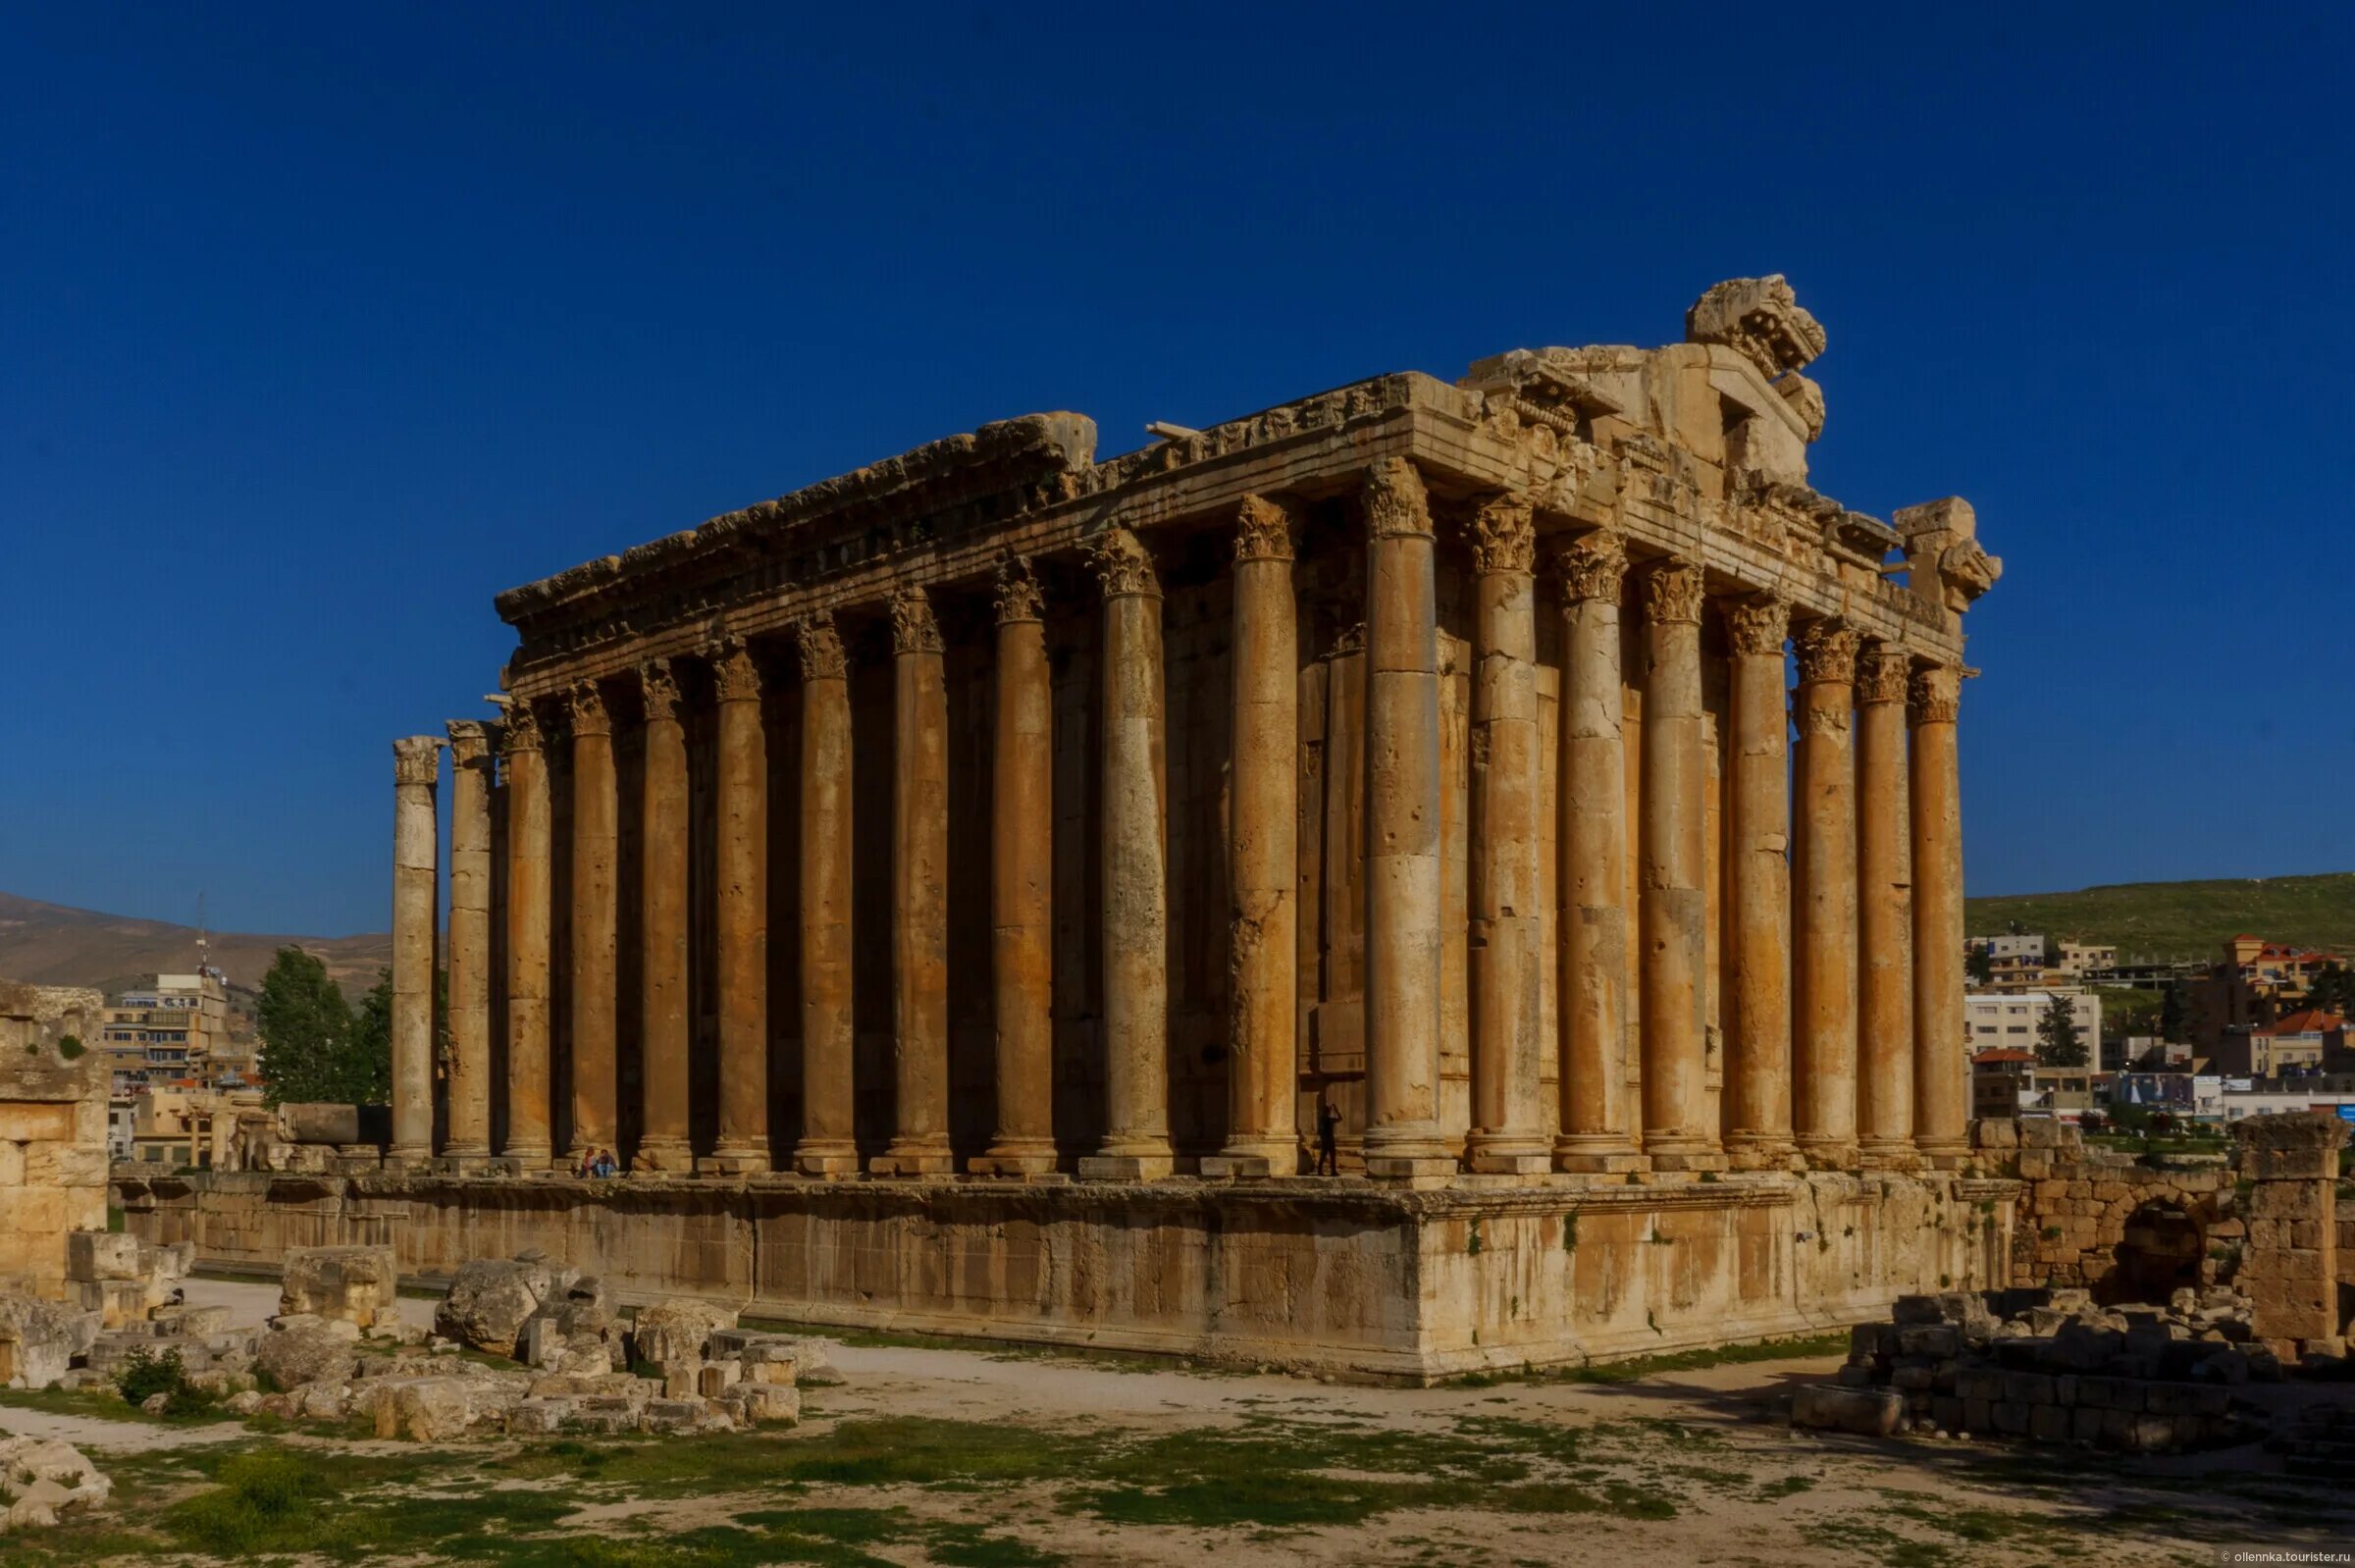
(123, 1278)
(2051, 1366)
(354, 1284)
(43, 1478)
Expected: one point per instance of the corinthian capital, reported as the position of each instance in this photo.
(819, 642)
(1017, 592)
(1673, 593)
(1504, 536)
(1591, 566)
(521, 732)
(736, 672)
(417, 759)
(1396, 502)
(1827, 650)
(913, 628)
(1882, 671)
(1758, 624)
(1123, 566)
(587, 703)
(470, 741)
(1264, 531)
(1935, 695)
(658, 684)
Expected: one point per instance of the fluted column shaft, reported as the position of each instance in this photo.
(1941, 1098)
(1824, 962)
(919, 861)
(1884, 913)
(741, 806)
(1402, 829)
(1022, 876)
(595, 926)
(1674, 913)
(828, 1120)
(1505, 924)
(530, 892)
(467, 1089)
(1135, 870)
(1598, 1125)
(665, 1030)
(416, 864)
(1758, 1017)
(1262, 846)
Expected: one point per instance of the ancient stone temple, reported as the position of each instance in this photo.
(954, 889)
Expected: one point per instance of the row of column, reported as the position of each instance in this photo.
(1839, 1047)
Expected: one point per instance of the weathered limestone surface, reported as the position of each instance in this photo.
(468, 1091)
(1884, 913)
(2289, 1268)
(827, 1147)
(1941, 1095)
(1824, 966)
(920, 816)
(742, 922)
(357, 1284)
(416, 874)
(663, 978)
(52, 1154)
(1674, 912)
(1758, 1068)
(595, 944)
(529, 895)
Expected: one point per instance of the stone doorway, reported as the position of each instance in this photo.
(2159, 1253)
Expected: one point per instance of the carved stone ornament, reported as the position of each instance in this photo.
(1759, 318)
(1882, 672)
(469, 741)
(1673, 593)
(417, 759)
(913, 628)
(1396, 504)
(1264, 531)
(1759, 624)
(1935, 695)
(1966, 571)
(589, 713)
(1504, 536)
(1123, 566)
(819, 642)
(1017, 592)
(1592, 567)
(522, 729)
(660, 684)
(1826, 649)
(737, 673)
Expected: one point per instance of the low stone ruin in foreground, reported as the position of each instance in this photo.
(2051, 1366)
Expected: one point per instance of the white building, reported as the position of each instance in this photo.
(2023, 949)
(2011, 1019)
(2080, 959)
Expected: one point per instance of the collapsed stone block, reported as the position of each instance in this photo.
(678, 1331)
(42, 1480)
(357, 1284)
(95, 1255)
(1869, 1412)
(305, 1350)
(490, 1299)
(39, 1340)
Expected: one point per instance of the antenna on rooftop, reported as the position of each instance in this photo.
(204, 946)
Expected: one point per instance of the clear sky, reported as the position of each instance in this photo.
(321, 325)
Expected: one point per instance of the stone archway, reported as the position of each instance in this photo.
(2159, 1252)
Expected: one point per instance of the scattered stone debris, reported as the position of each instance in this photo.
(123, 1278)
(41, 1339)
(41, 1479)
(2052, 1366)
(490, 1299)
(352, 1284)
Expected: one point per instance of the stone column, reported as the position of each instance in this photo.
(2290, 1265)
(919, 907)
(827, 1147)
(1674, 911)
(1757, 1072)
(1135, 870)
(595, 924)
(1941, 1069)
(1591, 992)
(467, 1088)
(741, 804)
(1884, 913)
(1505, 929)
(1824, 956)
(416, 864)
(1021, 878)
(664, 1008)
(529, 890)
(1261, 848)
(1402, 830)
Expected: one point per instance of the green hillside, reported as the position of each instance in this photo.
(2183, 920)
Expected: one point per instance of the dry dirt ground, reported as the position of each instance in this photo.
(927, 1456)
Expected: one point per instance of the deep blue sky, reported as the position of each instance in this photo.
(319, 326)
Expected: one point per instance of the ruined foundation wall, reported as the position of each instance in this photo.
(1364, 1281)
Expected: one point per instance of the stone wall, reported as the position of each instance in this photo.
(2290, 1267)
(52, 1155)
(2083, 1212)
(1353, 1278)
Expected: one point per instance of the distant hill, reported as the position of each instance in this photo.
(50, 944)
(2183, 920)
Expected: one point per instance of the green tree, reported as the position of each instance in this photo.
(2175, 1015)
(2332, 989)
(2058, 1043)
(313, 1047)
(1979, 964)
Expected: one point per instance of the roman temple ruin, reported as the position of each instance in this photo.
(955, 891)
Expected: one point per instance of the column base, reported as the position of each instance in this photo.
(1824, 1153)
(662, 1157)
(835, 1159)
(1596, 1154)
(1507, 1154)
(1759, 1151)
(408, 1157)
(1017, 1156)
(737, 1161)
(1139, 1167)
(527, 1156)
(1888, 1154)
(1943, 1154)
(1253, 1159)
(1684, 1152)
(911, 1158)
